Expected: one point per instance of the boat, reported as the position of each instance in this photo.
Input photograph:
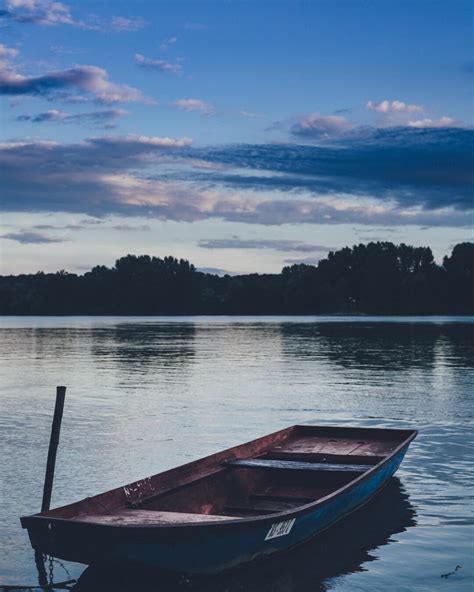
(229, 508)
(338, 551)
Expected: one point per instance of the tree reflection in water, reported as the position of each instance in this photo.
(341, 550)
(135, 347)
(381, 346)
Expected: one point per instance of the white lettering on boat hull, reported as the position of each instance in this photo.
(280, 529)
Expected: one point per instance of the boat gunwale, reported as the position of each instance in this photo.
(286, 514)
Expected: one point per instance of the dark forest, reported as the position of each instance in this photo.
(374, 278)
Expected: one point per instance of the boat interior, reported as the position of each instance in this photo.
(274, 474)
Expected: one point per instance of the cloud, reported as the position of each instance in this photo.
(392, 114)
(94, 177)
(436, 123)
(7, 53)
(431, 168)
(139, 144)
(275, 244)
(250, 114)
(99, 118)
(83, 78)
(130, 228)
(46, 116)
(190, 105)
(63, 50)
(403, 176)
(379, 230)
(315, 126)
(393, 107)
(330, 212)
(38, 12)
(303, 261)
(120, 23)
(52, 227)
(49, 13)
(88, 222)
(27, 237)
(168, 42)
(160, 65)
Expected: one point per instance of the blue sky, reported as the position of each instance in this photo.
(243, 136)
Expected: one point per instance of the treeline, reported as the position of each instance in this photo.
(376, 278)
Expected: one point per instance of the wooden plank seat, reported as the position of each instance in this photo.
(288, 492)
(319, 457)
(257, 506)
(141, 517)
(261, 463)
(294, 499)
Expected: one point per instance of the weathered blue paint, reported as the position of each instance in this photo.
(214, 548)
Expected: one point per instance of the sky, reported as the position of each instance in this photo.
(241, 135)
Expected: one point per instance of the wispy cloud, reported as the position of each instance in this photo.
(48, 13)
(7, 53)
(120, 23)
(38, 12)
(131, 228)
(250, 114)
(53, 227)
(27, 237)
(166, 43)
(160, 65)
(64, 50)
(274, 244)
(98, 118)
(46, 116)
(92, 80)
(436, 123)
(138, 144)
(92, 221)
(316, 126)
(304, 261)
(189, 105)
(393, 107)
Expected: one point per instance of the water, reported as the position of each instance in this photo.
(146, 394)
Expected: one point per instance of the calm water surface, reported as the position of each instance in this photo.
(146, 394)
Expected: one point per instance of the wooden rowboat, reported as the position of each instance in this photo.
(252, 500)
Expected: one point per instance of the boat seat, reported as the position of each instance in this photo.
(148, 517)
(258, 506)
(261, 463)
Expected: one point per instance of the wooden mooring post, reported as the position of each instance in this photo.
(53, 447)
(49, 476)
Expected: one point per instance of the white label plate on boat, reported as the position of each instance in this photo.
(280, 529)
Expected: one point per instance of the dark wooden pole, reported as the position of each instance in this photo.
(42, 577)
(53, 447)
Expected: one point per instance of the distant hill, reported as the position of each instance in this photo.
(374, 278)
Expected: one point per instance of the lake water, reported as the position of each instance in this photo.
(146, 394)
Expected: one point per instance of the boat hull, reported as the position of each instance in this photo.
(208, 548)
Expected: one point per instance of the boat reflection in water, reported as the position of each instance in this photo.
(341, 550)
